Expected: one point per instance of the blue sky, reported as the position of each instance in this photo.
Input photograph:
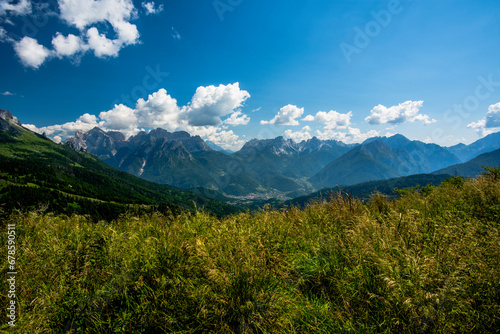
(233, 70)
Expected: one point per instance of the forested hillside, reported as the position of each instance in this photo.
(36, 173)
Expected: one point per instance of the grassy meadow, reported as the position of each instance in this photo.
(428, 262)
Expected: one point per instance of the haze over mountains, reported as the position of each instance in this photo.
(272, 167)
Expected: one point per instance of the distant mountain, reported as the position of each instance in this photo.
(174, 158)
(473, 167)
(34, 171)
(216, 147)
(366, 189)
(484, 145)
(428, 157)
(291, 159)
(372, 161)
(261, 166)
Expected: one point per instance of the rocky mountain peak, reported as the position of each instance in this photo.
(7, 116)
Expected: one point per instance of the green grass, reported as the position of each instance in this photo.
(428, 262)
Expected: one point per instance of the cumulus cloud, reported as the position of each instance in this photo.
(237, 118)
(161, 110)
(493, 116)
(298, 136)
(404, 112)
(353, 135)
(22, 7)
(65, 46)
(30, 52)
(120, 117)
(150, 8)
(489, 124)
(83, 15)
(286, 116)
(331, 119)
(85, 122)
(211, 103)
(226, 139)
(7, 93)
(101, 45)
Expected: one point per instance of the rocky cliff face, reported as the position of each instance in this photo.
(8, 122)
(7, 116)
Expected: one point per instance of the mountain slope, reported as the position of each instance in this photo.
(366, 189)
(428, 157)
(373, 161)
(484, 145)
(473, 167)
(36, 167)
(292, 159)
(176, 158)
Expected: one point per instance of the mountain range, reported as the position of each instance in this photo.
(261, 166)
(37, 173)
(271, 167)
(268, 168)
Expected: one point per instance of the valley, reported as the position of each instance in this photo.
(276, 168)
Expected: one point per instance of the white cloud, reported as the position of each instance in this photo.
(22, 7)
(237, 118)
(120, 118)
(7, 93)
(286, 116)
(101, 45)
(149, 8)
(30, 52)
(353, 135)
(489, 124)
(84, 15)
(406, 111)
(65, 46)
(3, 34)
(160, 110)
(127, 33)
(493, 116)
(423, 118)
(331, 119)
(211, 103)
(226, 139)
(298, 136)
(85, 122)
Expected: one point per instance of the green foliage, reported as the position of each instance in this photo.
(427, 262)
(493, 172)
(455, 181)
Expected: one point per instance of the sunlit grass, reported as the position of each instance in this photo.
(428, 262)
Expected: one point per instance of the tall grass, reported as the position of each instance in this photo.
(428, 262)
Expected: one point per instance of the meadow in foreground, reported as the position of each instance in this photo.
(427, 262)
